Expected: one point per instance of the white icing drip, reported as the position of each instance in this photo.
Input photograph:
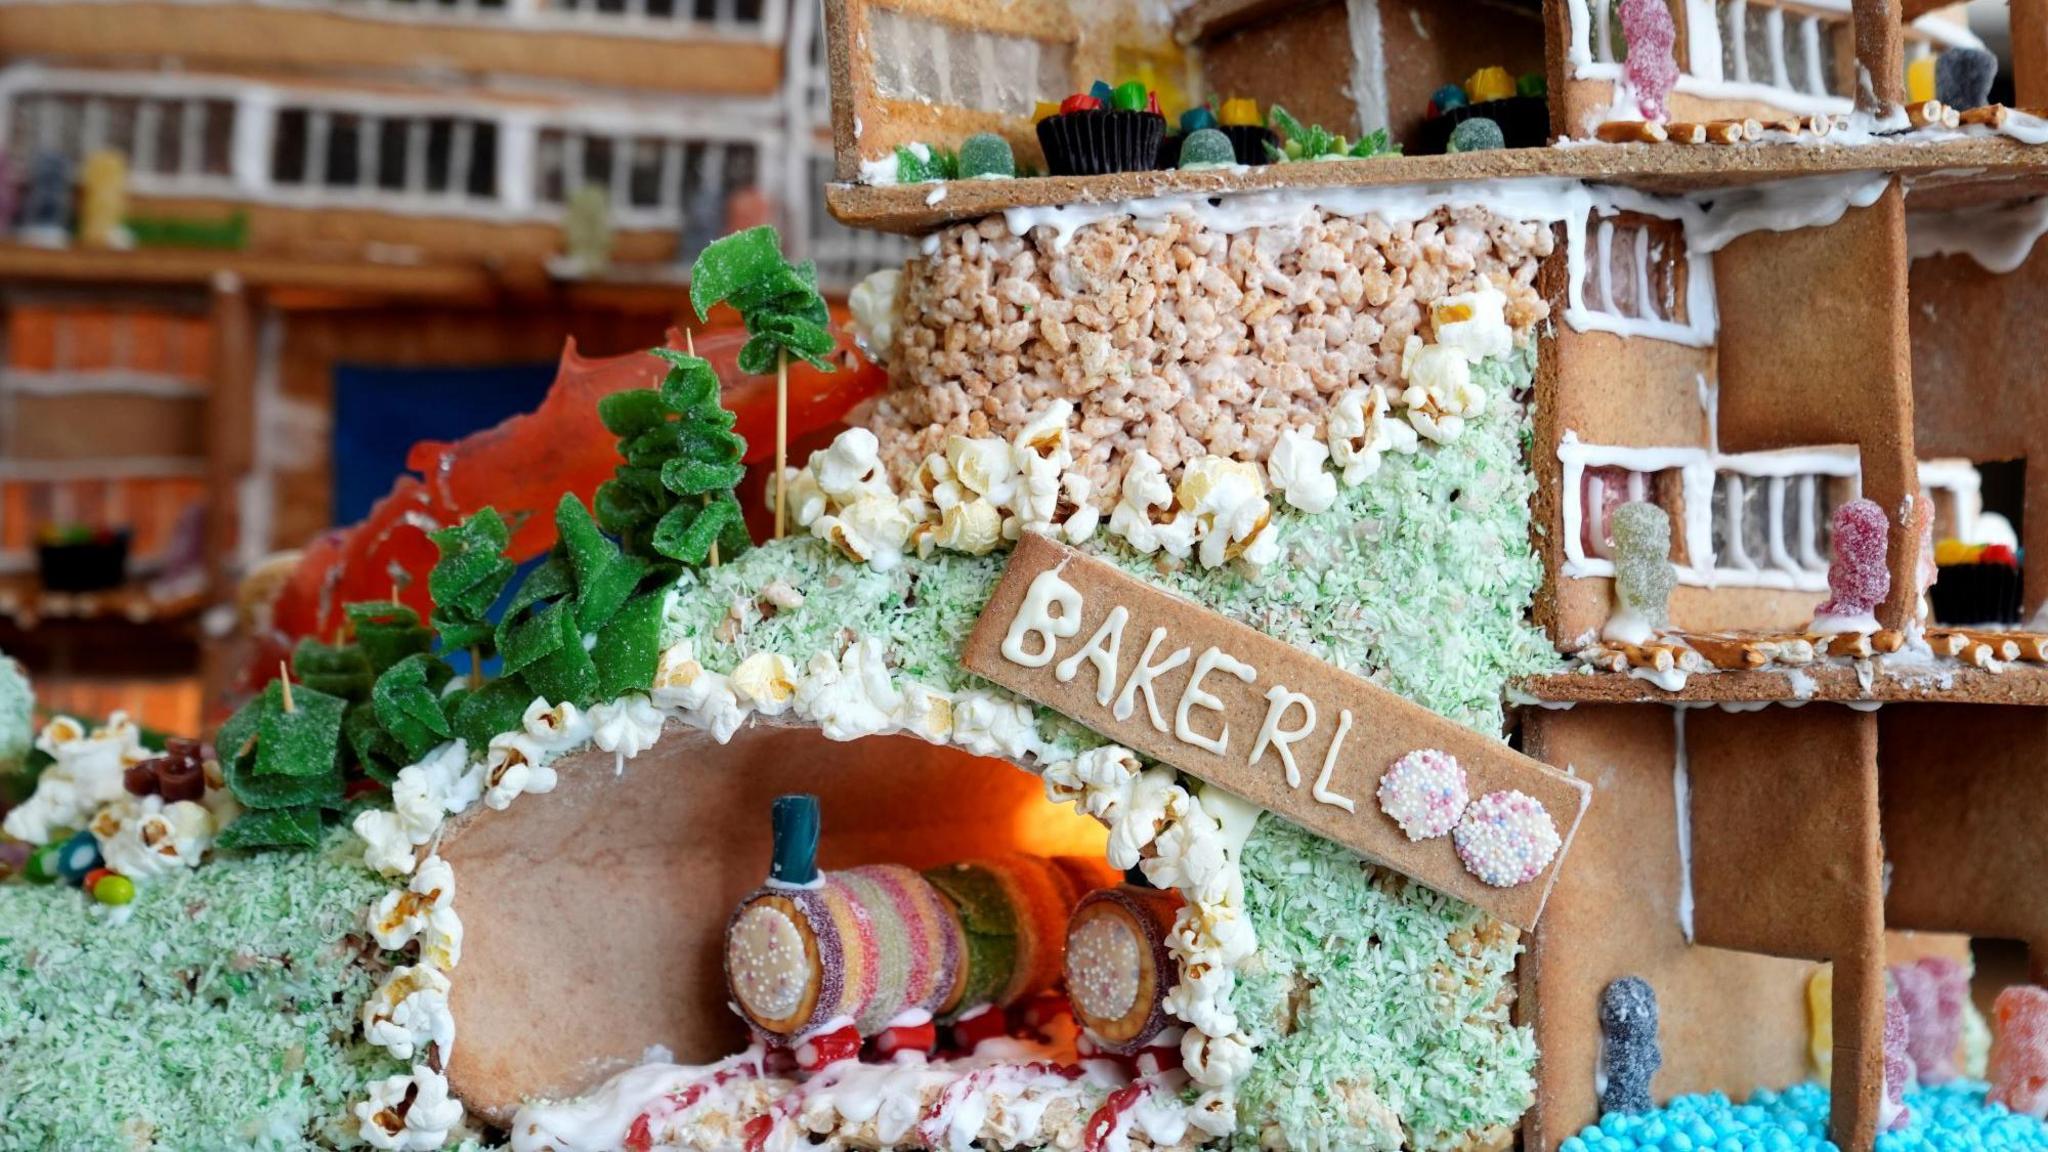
(1998, 238)
(1681, 795)
(1670, 679)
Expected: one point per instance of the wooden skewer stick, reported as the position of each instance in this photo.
(781, 435)
(1631, 132)
(284, 673)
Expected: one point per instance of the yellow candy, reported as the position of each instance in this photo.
(1489, 84)
(1920, 80)
(1954, 551)
(1820, 1008)
(1238, 113)
(1043, 109)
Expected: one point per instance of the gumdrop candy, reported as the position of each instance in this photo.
(1206, 148)
(1478, 134)
(2018, 1070)
(1934, 991)
(1628, 1051)
(1643, 576)
(1963, 76)
(1489, 84)
(986, 154)
(1651, 67)
(1448, 98)
(1892, 1113)
(1858, 577)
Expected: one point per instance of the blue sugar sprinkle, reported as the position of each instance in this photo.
(1951, 1118)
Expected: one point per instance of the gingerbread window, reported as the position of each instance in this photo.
(169, 140)
(955, 66)
(1636, 268)
(1773, 529)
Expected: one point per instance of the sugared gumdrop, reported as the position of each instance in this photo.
(1858, 578)
(1207, 148)
(1892, 1112)
(2018, 1070)
(986, 154)
(1933, 991)
(1643, 576)
(1478, 134)
(1651, 67)
(1628, 1051)
(1963, 76)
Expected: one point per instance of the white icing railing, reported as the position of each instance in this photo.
(761, 21)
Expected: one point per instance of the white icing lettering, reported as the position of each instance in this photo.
(1321, 791)
(1035, 617)
(1192, 697)
(1142, 677)
(1279, 699)
(1102, 650)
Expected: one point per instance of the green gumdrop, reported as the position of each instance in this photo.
(1128, 97)
(1478, 134)
(1207, 148)
(1532, 84)
(912, 168)
(986, 154)
(1643, 575)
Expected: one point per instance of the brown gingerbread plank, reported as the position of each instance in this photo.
(1217, 694)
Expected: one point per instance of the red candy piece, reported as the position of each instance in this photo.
(1892, 1112)
(2018, 1070)
(1080, 102)
(1651, 66)
(1152, 103)
(1998, 554)
(908, 1038)
(1933, 991)
(828, 1048)
(94, 877)
(1858, 578)
(970, 1030)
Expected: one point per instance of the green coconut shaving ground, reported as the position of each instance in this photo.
(220, 1013)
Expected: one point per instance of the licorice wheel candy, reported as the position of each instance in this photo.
(1117, 966)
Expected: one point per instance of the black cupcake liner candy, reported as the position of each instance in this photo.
(1169, 150)
(1249, 141)
(1967, 594)
(1100, 142)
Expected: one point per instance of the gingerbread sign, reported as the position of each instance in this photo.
(1336, 754)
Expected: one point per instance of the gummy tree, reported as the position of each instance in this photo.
(1652, 68)
(1643, 576)
(783, 313)
(1628, 1052)
(1858, 577)
(671, 501)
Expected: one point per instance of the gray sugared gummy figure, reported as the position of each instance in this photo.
(1963, 76)
(1628, 1052)
(1643, 575)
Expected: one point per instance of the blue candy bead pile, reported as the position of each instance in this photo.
(1952, 1118)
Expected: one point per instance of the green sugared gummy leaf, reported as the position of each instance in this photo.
(492, 709)
(303, 741)
(731, 263)
(532, 640)
(798, 336)
(632, 412)
(295, 827)
(629, 648)
(686, 477)
(686, 533)
(469, 577)
(408, 703)
(604, 576)
(376, 752)
(388, 632)
(566, 673)
(691, 386)
(910, 167)
(336, 669)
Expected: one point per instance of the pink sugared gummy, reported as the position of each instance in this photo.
(1898, 1066)
(1858, 578)
(2018, 1069)
(1933, 991)
(1651, 66)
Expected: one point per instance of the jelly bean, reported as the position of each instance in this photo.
(95, 876)
(42, 864)
(78, 856)
(114, 888)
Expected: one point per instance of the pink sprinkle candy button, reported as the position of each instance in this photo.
(1506, 838)
(1424, 792)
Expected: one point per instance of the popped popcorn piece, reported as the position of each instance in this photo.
(989, 725)
(440, 784)
(871, 531)
(515, 766)
(1227, 499)
(146, 838)
(1145, 495)
(423, 911)
(410, 1113)
(876, 304)
(853, 696)
(85, 773)
(850, 469)
(1474, 324)
(1362, 428)
(765, 682)
(984, 467)
(1441, 394)
(1216, 1060)
(555, 727)
(1296, 469)
(627, 726)
(387, 846)
(410, 1011)
(927, 712)
(974, 527)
